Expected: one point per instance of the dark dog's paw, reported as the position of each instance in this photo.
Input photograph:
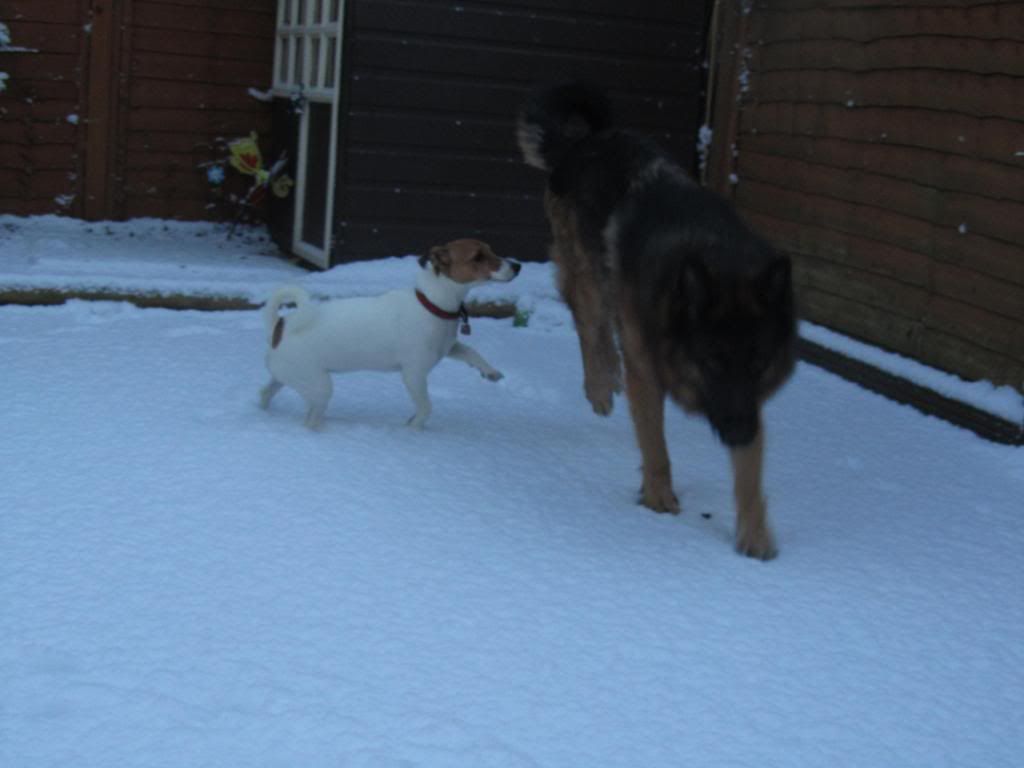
(602, 406)
(601, 399)
(600, 392)
(493, 375)
(757, 543)
(659, 498)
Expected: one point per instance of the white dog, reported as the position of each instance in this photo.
(406, 330)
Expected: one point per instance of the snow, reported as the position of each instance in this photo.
(266, 96)
(5, 42)
(705, 136)
(1004, 401)
(156, 256)
(187, 580)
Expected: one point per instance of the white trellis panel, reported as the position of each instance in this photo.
(307, 69)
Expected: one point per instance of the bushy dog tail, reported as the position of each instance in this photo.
(555, 118)
(305, 309)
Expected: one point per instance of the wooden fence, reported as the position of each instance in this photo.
(119, 101)
(881, 143)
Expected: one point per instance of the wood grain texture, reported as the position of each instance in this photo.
(880, 144)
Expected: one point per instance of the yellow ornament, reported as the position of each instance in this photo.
(282, 185)
(246, 158)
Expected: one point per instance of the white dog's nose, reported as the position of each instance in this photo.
(509, 269)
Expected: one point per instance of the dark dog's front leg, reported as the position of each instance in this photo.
(601, 371)
(584, 284)
(601, 368)
(753, 538)
(647, 406)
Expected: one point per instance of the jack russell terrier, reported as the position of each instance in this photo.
(407, 330)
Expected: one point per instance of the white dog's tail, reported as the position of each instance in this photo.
(305, 310)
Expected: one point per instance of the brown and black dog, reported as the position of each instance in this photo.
(702, 307)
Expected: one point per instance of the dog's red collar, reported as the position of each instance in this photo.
(436, 311)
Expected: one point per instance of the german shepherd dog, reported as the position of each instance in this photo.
(702, 307)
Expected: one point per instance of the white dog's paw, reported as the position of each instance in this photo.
(314, 420)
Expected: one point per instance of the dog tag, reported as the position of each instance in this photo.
(465, 330)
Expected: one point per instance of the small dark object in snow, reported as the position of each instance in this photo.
(706, 515)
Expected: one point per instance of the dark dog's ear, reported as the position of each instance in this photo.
(440, 257)
(774, 284)
(696, 287)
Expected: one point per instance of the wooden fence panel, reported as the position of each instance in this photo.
(117, 91)
(191, 66)
(880, 143)
(41, 125)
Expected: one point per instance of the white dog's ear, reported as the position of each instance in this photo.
(441, 258)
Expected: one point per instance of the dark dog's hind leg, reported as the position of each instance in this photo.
(753, 538)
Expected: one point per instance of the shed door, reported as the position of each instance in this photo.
(307, 64)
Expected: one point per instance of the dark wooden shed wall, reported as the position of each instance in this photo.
(428, 147)
(880, 144)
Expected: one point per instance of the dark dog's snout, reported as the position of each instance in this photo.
(516, 266)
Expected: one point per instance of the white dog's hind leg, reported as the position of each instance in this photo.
(268, 392)
(316, 391)
(416, 384)
(466, 354)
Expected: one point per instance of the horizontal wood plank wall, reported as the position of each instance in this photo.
(432, 91)
(40, 131)
(190, 66)
(881, 143)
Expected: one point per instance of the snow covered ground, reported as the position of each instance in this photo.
(153, 256)
(186, 580)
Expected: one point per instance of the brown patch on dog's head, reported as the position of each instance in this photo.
(469, 261)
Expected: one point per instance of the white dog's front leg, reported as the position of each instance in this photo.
(469, 356)
(416, 384)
